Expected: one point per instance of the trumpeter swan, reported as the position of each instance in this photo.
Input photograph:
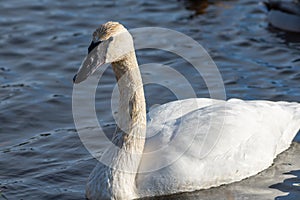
(246, 135)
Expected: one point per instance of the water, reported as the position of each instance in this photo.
(43, 43)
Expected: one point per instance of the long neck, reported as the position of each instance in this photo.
(131, 122)
(132, 108)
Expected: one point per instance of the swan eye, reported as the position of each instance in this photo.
(93, 45)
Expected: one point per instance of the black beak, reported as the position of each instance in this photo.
(87, 67)
(74, 78)
(93, 45)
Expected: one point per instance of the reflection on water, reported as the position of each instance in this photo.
(44, 42)
(290, 186)
(199, 6)
(290, 38)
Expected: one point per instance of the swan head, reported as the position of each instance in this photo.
(111, 42)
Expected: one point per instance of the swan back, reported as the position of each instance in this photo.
(219, 142)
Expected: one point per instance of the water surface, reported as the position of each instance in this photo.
(43, 43)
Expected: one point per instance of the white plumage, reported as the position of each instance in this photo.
(183, 145)
(228, 141)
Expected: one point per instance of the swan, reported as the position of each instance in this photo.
(284, 15)
(216, 142)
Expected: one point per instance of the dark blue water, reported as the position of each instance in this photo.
(43, 43)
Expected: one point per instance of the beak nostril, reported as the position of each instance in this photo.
(74, 78)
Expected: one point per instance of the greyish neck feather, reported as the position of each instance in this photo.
(132, 108)
(131, 131)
